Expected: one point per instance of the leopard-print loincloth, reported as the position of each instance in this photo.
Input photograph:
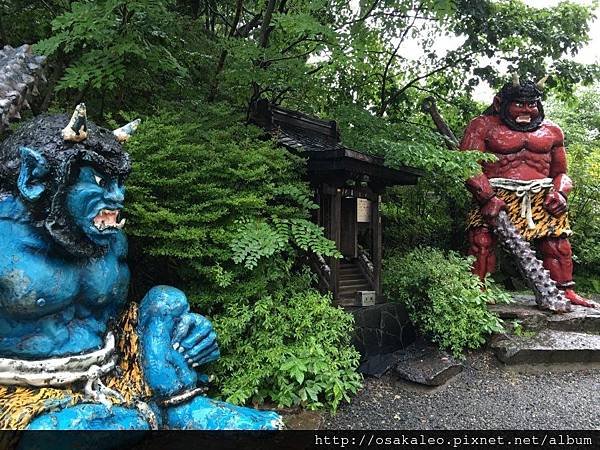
(546, 225)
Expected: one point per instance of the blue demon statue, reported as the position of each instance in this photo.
(73, 353)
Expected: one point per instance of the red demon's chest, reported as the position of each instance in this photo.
(502, 140)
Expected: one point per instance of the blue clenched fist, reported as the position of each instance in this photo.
(174, 341)
(196, 340)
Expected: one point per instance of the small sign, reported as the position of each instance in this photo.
(365, 298)
(363, 210)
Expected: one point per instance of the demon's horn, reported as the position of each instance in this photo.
(542, 83)
(126, 131)
(76, 131)
(515, 79)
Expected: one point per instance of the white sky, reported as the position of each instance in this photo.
(588, 54)
(411, 48)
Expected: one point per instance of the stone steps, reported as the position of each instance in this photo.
(548, 347)
(545, 337)
(525, 311)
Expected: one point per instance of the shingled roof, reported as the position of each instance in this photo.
(320, 141)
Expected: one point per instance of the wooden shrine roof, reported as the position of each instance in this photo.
(320, 141)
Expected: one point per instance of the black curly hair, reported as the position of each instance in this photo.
(526, 91)
(63, 160)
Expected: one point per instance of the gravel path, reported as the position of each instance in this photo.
(486, 395)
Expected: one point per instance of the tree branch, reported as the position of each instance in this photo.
(383, 102)
(265, 29)
(236, 18)
(267, 62)
(363, 17)
(221, 63)
(427, 75)
(245, 30)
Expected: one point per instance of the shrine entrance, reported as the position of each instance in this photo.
(348, 228)
(348, 187)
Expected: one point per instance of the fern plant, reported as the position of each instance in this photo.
(222, 214)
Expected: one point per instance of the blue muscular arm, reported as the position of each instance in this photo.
(174, 341)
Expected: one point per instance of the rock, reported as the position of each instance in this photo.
(381, 329)
(526, 312)
(377, 365)
(547, 346)
(303, 420)
(425, 364)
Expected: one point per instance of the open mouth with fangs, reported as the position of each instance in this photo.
(108, 219)
(523, 119)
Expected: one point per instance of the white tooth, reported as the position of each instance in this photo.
(121, 224)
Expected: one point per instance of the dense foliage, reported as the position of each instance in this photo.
(291, 348)
(579, 118)
(443, 298)
(219, 211)
(211, 199)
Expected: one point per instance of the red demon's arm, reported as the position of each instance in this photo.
(558, 166)
(556, 202)
(474, 139)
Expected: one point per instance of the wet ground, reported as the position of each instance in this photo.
(486, 395)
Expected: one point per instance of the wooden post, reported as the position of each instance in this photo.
(377, 245)
(336, 219)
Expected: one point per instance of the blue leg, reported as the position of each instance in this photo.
(85, 417)
(207, 414)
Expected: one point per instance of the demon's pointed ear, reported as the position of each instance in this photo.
(497, 102)
(33, 171)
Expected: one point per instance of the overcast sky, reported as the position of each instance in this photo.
(588, 54)
(411, 48)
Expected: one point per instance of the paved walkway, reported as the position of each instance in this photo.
(486, 395)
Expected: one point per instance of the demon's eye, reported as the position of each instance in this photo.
(100, 181)
(519, 104)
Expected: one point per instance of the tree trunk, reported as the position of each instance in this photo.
(266, 25)
(195, 8)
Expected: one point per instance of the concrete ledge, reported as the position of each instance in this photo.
(524, 310)
(547, 346)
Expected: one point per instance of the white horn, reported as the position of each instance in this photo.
(76, 131)
(542, 83)
(515, 79)
(126, 131)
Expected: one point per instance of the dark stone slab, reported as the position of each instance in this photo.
(425, 364)
(381, 329)
(377, 365)
(525, 310)
(547, 346)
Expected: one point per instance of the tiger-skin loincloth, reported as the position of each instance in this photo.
(546, 225)
(19, 405)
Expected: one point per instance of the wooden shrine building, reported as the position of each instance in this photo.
(348, 185)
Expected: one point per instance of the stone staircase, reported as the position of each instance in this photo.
(351, 281)
(547, 338)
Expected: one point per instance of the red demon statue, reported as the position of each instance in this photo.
(528, 180)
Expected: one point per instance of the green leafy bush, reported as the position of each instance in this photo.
(291, 348)
(220, 212)
(584, 203)
(204, 197)
(579, 117)
(443, 298)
